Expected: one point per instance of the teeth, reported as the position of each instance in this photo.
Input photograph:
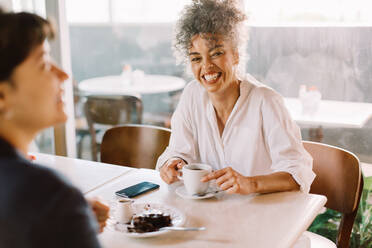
(210, 77)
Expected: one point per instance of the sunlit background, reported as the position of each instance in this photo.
(322, 43)
(263, 12)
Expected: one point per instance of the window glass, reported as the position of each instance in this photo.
(322, 45)
(35, 6)
(146, 11)
(319, 44)
(316, 12)
(88, 11)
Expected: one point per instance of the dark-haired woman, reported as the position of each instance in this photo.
(38, 208)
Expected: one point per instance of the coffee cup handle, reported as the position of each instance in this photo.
(179, 175)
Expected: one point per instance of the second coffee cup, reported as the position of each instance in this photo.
(191, 176)
(124, 210)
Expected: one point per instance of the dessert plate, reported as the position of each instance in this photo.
(177, 217)
(181, 191)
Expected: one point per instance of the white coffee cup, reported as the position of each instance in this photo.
(191, 176)
(123, 211)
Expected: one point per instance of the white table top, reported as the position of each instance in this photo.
(113, 85)
(270, 220)
(86, 175)
(331, 113)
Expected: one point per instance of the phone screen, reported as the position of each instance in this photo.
(137, 189)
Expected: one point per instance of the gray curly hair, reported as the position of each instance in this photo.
(216, 17)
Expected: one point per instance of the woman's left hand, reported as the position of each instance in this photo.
(231, 181)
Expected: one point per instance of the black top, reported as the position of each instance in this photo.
(39, 208)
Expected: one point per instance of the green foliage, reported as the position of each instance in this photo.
(326, 224)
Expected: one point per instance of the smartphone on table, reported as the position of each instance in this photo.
(136, 189)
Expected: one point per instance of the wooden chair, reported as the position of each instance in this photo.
(134, 145)
(339, 178)
(110, 110)
(81, 125)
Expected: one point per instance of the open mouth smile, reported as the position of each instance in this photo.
(211, 77)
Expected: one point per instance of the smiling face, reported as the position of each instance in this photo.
(213, 62)
(34, 98)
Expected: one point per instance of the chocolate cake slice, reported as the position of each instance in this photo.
(149, 223)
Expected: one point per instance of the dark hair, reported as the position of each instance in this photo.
(20, 33)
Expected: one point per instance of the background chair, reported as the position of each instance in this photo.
(81, 125)
(134, 145)
(163, 118)
(110, 110)
(339, 178)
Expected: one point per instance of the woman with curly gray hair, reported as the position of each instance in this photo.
(227, 119)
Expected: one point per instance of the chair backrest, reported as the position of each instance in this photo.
(339, 178)
(134, 145)
(110, 110)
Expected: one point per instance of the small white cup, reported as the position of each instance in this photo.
(191, 176)
(124, 211)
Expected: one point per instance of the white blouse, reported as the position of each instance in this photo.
(259, 136)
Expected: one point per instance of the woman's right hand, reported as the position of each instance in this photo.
(100, 210)
(169, 171)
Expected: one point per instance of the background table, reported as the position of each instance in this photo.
(113, 85)
(86, 175)
(268, 220)
(334, 114)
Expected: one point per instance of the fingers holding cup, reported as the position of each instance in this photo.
(170, 170)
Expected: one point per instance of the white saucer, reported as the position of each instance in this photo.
(181, 191)
(178, 218)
